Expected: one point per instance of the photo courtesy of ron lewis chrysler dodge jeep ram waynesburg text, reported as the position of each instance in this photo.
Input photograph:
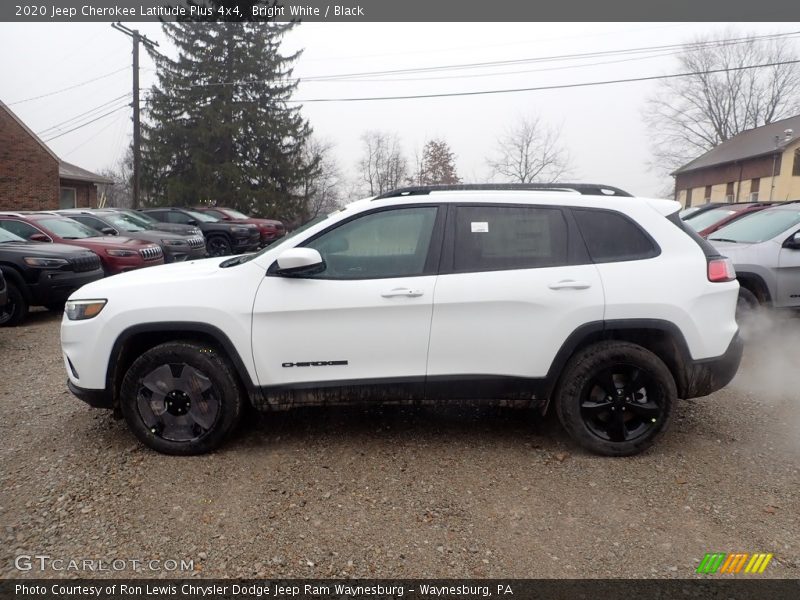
(604, 307)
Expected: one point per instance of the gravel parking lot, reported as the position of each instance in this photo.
(457, 492)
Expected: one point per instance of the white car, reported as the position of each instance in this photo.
(605, 306)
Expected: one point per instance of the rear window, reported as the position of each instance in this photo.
(612, 237)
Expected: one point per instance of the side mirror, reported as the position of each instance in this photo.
(298, 262)
(108, 231)
(793, 242)
(192, 222)
(38, 237)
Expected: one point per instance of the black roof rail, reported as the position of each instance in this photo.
(591, 189)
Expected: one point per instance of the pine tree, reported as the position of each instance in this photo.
(218, 126)
(438, 164)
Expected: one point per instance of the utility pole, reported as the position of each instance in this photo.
(137, 150)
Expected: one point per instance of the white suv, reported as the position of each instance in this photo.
(599, 303)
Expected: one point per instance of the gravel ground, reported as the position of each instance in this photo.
(401, 493)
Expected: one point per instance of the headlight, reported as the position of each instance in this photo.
(80, 310)
(120, 253)
(45, 263)
(173, 243)
(241, 230)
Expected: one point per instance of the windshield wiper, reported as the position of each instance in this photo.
(723, 240)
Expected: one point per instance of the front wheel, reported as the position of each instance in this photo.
(16, 310)
(218, 246)
(181, 398)
(615, 398)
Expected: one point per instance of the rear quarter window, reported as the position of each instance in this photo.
(612, 237)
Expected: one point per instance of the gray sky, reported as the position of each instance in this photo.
(601, 126)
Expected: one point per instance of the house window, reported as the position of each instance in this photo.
(707, 194)
(729, 192)
(796, 165)
(67, 198)
(688, 198)
(755, 187)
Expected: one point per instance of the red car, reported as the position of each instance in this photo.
(118, 254)
(707, 222)
(269, 229)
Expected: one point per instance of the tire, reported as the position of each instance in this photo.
(218, 246)
(642, 392)
(181, 398)
(16, 310)
(747, 305)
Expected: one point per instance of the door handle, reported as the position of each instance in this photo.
(569, 284)
(406, 292)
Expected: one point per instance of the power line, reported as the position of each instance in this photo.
(93, 136)
(549, 87)
(87, 123)
(78, 116)
(66, 89)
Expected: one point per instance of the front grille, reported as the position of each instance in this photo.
(151, 253)
(88, 262)
(196, 242)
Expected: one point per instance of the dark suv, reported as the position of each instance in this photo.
(39, 274)
(176, 247)
(270, 229)
(222, 238)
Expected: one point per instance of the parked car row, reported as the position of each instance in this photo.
(763, 241)
(47, 255)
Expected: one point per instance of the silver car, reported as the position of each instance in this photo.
(765, 249)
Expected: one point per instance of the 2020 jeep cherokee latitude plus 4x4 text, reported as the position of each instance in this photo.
(605, 307)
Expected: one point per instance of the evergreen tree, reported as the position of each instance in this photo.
(219, 129)
(438, 164)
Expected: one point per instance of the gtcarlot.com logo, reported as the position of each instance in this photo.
(737, 562)
(44, 562)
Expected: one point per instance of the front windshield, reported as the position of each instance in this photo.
(125, 222)
(688, 212)
(759, 227)
(286, 238)
(708, 218)
(7, 236)
(69, 229)
(202, 217)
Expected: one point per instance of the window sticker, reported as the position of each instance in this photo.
(480, 226)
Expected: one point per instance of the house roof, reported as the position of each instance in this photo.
(65, 170)
(69, 171)
(748, 144)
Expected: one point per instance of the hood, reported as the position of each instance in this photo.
(154, 236)
(114, 241)
(172, 274)
(43, 250)
(177, 228)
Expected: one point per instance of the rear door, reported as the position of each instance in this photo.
(514, 285)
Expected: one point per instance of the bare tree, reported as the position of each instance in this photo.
(321, 186)
(529, 152)
(120, 193)
(688, 116)
(383, 166)
(437, 164)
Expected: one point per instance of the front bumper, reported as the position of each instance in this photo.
(53, 287)
(246, 242)
(703, 377)
(94, 398)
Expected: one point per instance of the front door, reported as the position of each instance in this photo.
(788, 277)
(365, 317)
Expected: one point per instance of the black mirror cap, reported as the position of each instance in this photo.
(793, 243)
(305, 271)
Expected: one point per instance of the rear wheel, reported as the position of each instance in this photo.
(747, 304)
(218, 246)
(615, 398)
(16, 310)
(181, 398)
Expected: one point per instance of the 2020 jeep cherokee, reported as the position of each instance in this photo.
(605, 306)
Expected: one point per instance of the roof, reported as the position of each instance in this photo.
(69, 171)
(755, 142)
(65, 170)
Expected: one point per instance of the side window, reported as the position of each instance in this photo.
(158, 215)
(391, 243)
(89, 222)
(494, 238)
(19, 228)
(612, 237)
(174, 216)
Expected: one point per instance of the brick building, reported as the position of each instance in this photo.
(758, 164)
(32, 177)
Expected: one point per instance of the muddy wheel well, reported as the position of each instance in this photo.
(755, 284)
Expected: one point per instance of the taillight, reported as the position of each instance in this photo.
(721, 269)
